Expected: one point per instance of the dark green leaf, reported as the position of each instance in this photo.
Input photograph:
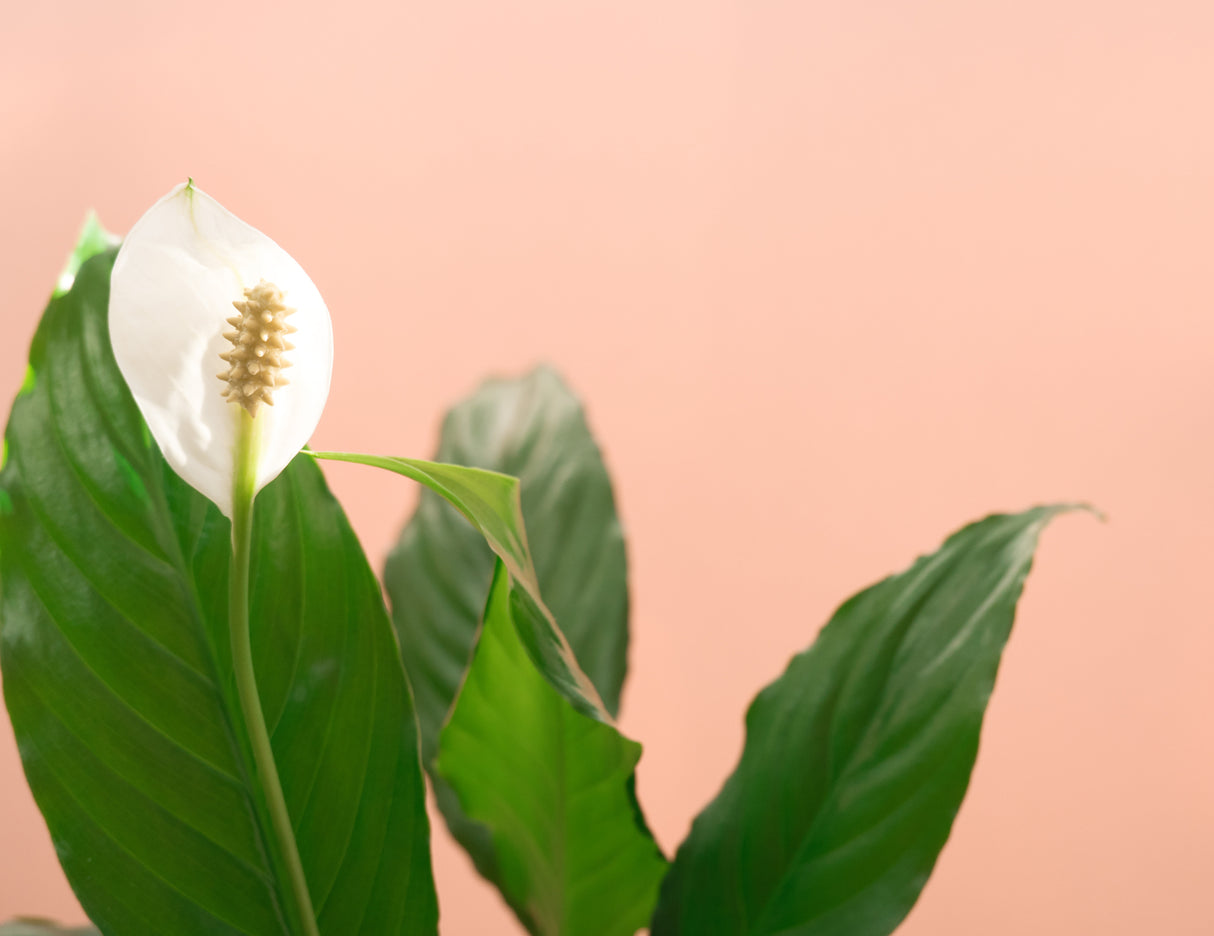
(118, 677)
(857, 758)
(553, 785)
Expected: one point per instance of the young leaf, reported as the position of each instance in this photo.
(857, 758)
(118, 673)
(543, 871)
(552, 785)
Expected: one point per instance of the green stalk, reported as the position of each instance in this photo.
(244, 490)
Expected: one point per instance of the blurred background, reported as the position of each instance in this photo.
(832, 277)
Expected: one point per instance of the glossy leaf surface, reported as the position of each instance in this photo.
(117, 672)
(857, 758)
(553, 785)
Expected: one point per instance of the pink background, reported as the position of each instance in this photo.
(834, 278)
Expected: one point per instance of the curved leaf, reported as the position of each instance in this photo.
(857, 758)
(532, 428)
(490, 502)
(117, 672)
(553, 786)
(532, 724)
(438, 575)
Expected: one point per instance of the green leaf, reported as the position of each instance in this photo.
(554, 786)
(117, 672)
(490, 502)
(28, 926)
(857, 758)
(438, 575)
(532, 724)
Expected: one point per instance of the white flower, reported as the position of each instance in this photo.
(196, 293)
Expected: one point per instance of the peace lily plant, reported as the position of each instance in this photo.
(226, 732)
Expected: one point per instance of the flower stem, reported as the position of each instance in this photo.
(244, 491)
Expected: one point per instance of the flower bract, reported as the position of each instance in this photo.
(197, 294)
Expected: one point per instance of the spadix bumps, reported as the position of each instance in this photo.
(259, 347)
(180, 271)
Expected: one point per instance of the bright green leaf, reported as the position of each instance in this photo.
(490, 502)
(536, 760)
(438, 575)
(532, 428)
(117, 673)
(552, 784)
(857, 758)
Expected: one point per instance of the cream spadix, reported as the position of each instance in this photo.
(197, 294)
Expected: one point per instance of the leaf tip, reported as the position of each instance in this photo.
(92, 240)
(1054, 510)
(1091, 509)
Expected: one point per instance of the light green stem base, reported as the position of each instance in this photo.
(244, 491)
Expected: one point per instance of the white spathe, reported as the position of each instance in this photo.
(171, 293)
